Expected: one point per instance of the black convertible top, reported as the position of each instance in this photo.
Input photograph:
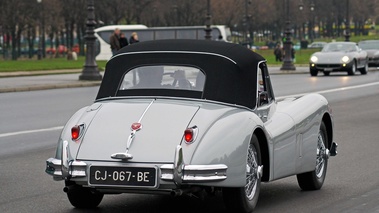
(230, 69)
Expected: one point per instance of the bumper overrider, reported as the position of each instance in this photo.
(178, 172)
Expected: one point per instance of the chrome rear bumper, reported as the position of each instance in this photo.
(75, 169)
(178, 172)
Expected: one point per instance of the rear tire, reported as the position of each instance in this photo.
(244, 199)
(82, 197)
(315, 179)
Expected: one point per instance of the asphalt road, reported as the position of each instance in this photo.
(30, 123)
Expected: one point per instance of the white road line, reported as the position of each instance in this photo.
(331, 90)
(281, 97)
(30, 131)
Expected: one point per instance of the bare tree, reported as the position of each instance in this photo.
(63, 21)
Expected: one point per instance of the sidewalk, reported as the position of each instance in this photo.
(54, 79)
(42, 80)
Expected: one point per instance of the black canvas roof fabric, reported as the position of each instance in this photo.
(230, 69)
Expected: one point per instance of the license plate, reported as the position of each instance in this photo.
(123, 176)
(328, 69)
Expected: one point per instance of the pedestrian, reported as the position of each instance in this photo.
(278, 53)
(114, 41)
(123, 40)
(293, 54)
(133, 38)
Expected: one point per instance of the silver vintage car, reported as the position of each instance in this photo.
(181, 117)
(339, 57)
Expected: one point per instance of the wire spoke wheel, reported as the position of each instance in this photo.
(244, 199)
(321, 156)
(251, 172)
(315, 179)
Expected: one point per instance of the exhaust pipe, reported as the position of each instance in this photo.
(66, 189)
(180, 192)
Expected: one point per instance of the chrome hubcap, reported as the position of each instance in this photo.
(322, 156)
(252, 172)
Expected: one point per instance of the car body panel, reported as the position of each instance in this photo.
(159, 120)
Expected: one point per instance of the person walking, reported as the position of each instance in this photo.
(134, 38)
(278, 53)
(293, 54)
(114, 41)
(123, 40)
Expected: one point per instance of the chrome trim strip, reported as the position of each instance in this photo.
(205, 167)
(176, 52)
(178, 165)
(133, 133)
(194, 173)
(190, 178)
(54, 167)
(126, 155)
(64, 161)
(78, 169)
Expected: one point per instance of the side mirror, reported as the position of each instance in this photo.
(263, 98)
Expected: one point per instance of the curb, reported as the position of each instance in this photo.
(51, 86)
(34, 73)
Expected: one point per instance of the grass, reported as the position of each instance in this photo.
(302, 56)
(22, 64)
(44, 64)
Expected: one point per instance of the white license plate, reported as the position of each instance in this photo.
(123, 176)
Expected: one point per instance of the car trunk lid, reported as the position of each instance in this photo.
(162, 126)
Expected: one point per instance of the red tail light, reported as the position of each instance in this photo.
(190, 134)
(75, 132)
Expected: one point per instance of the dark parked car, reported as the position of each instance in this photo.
(372, 49)
(317, 44)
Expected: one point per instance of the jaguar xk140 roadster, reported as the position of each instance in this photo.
(183, 117)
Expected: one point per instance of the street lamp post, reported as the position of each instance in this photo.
(287, 62)
(246, 23)
(90, 70)
(312, 8)
(347, 30)
(312, 21)
(39, 51)
(175, 9)
(208, 29)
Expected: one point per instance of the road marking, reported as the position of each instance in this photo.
(31, 131)
(331, 90)
(281, 97)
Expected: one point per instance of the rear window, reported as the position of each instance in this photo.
(164, 77)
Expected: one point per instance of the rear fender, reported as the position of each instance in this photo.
(82, 116)
(225, 142)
